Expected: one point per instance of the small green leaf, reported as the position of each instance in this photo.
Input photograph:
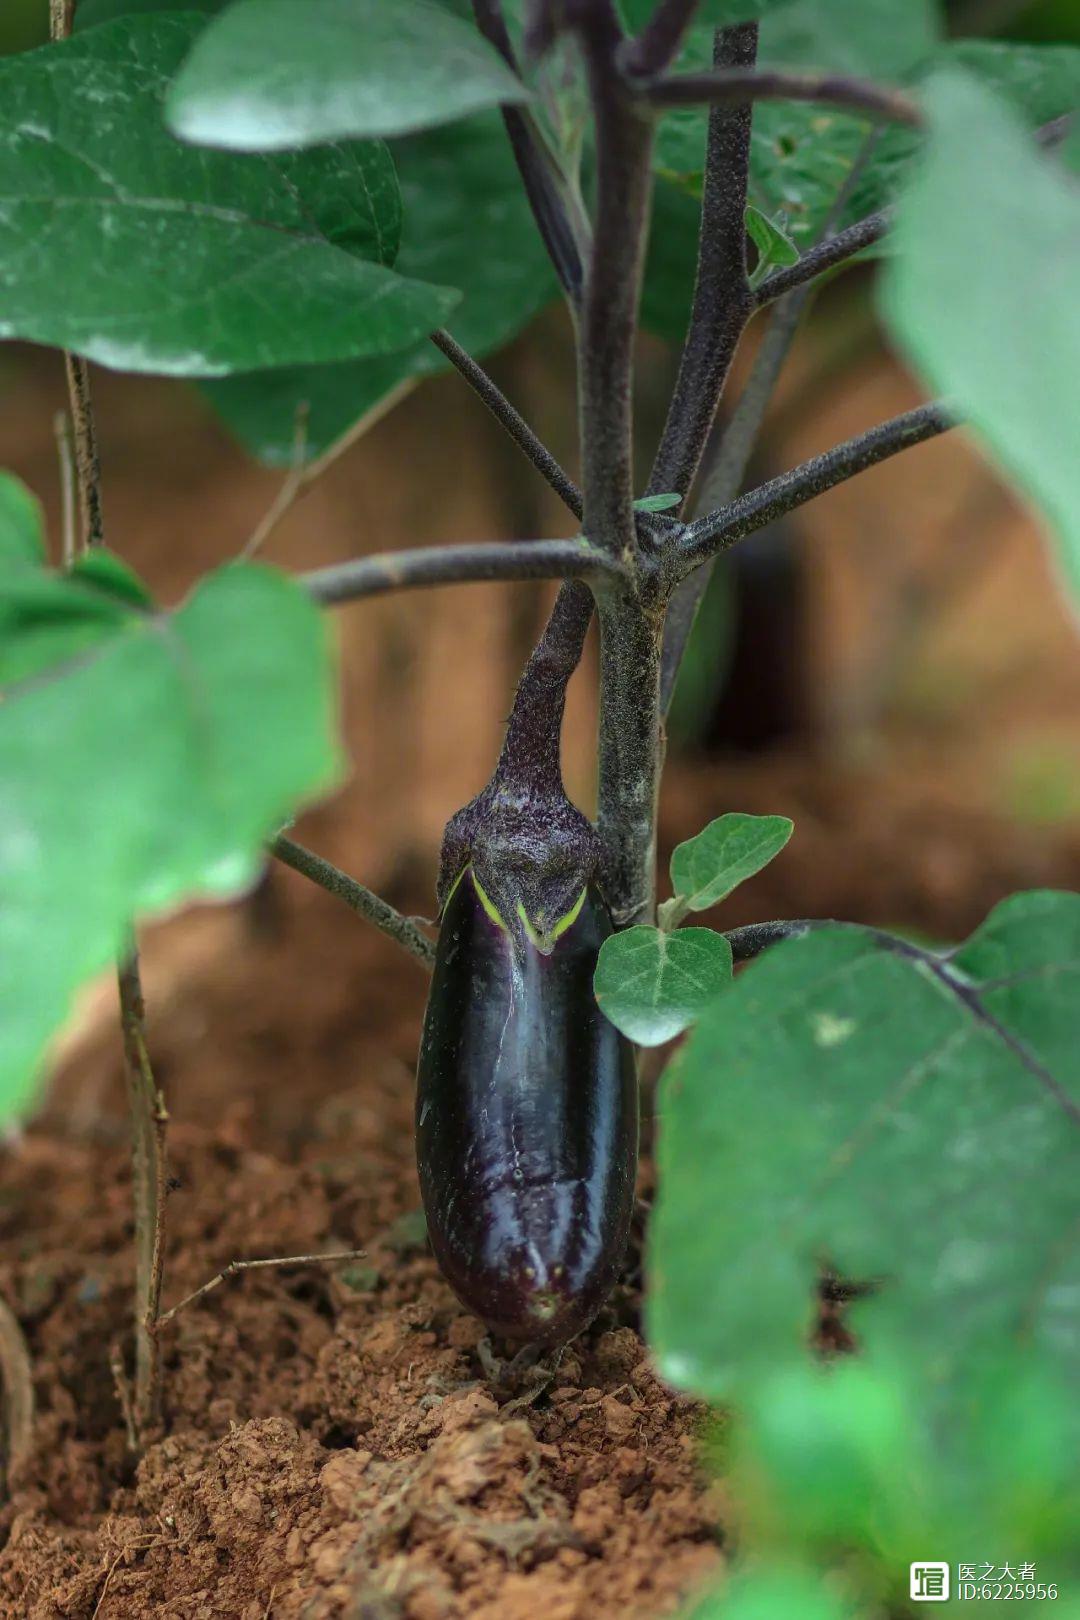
(193, 263)
(22, 533)
(773, 245)
(653, 985)
(705, 869)
(269, 74)
(657, 503)
(954, 279)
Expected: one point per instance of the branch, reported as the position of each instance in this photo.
(234, 1267)
(456, 565)
(378, 911)
(770, 501)
(149, 1119)
(722, 298)
(542, 182)
(833, 251)
(608, 327)
(514, 423)
(659, 41)
(723, 478)
(734, 85)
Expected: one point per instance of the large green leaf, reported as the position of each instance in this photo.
(190, 262)
(467, 222)
(982, 294)
(653, 985)
(717, 13)
(269, 74)
(89, 13)
(147, 757)
(908, 1123)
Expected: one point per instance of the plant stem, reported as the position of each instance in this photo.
(451, 565)
(772, 84)
(235, 1267)
(365, 902)
(294, 482)
(722, 298)
(87, 463)
(531, 754)
(68, 493)
(722, 479)
(562, 230)
(149, 1120)
(17, 1376)
(660, 39)
(758, 507)
(608, 328)
(514, 423)
(825, 255)
(631, 638)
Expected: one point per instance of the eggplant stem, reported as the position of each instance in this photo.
(402, 930)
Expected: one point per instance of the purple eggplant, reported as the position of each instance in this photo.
(526, 1115)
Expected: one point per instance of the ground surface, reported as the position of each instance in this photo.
(334, 1445)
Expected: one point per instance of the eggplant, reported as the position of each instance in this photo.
(526, 1118)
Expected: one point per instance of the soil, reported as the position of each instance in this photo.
(342, 1440)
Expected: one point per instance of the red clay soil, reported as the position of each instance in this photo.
(337, 1440)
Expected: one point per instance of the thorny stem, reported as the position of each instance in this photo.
(722, 298)
(608, 328)
(16, 1375)
(449, 565)
(737, 85)
(758, 507)
(362, 900)
(149, 1120)
(87, 463)
(511, 419)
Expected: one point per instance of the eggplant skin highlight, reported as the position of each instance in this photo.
(526, 1119)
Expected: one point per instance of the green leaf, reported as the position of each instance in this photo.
(907, 1123)
(653, 985)
(109, 573)
(193, 263)
(467, 222)
(983, 298)
(657, 503)
(22, 531)
(705, 869)
(670, 262)
(269, 74)
(717, 13)
(773, 245)
(147, 758)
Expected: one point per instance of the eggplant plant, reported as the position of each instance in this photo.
(307, 206)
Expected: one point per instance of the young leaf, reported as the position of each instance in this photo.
(146, 759)
(1009, 362)
(193, 263)
(910, 1094)
(22, 535)
(654, 985)
(774, 245)
(467, 223)
(705, 869)
(657, 503)
(269, 74)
